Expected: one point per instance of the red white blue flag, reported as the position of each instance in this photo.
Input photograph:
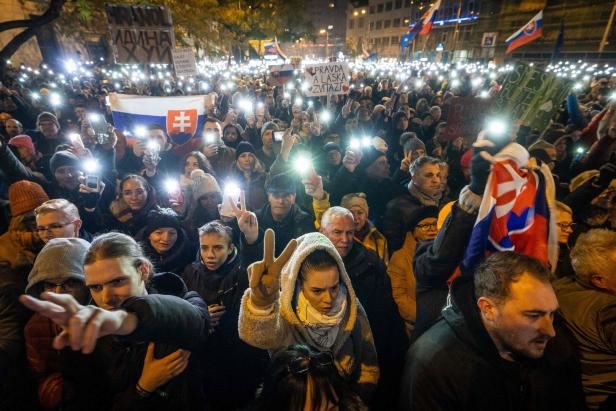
(530, 32)
(515, 215)
(424, 26)
(181, 116)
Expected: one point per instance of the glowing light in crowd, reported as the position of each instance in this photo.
(70, 66)
(325, 116)
(246, 105)
(171, 186)
(140, 131)
(91, 166)
(55, 100)
(497, 127)
(302, 164)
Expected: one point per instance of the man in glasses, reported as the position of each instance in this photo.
(58, 268)
(59, 218)
(564, 228)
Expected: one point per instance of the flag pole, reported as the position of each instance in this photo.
(607, 28)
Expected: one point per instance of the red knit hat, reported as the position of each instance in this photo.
(25, 196)
(23, 140)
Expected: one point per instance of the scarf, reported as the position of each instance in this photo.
(423, 198)
(322, 328)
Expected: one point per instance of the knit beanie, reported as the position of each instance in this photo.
(413, 143)
(23, 140)
(420, 214)
(270, 125)
(161, 218)
(25, 196)
(47, 116)
(244, 147)
(63, 158)
(60, 259)
(355, 200)
(369, 156)
(331, 146)
(204, 183)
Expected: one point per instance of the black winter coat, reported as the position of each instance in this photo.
(378, 192)
(435, 261)
(232, 369)
(456, 366)
(172, 318)
(372, 286)
(295, 224)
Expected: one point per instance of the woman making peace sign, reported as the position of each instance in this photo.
(316, 306)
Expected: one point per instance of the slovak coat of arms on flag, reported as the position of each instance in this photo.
(181, 125)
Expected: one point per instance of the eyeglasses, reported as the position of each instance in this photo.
(564, 226)
(302, 365)
(66, 285)
(52, 227)
(426, 226)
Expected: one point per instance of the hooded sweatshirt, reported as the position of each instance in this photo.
(280, 326)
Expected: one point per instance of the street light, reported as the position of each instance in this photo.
(326, 32)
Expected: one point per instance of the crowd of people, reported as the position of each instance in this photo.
(301, 254)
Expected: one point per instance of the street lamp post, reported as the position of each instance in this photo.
(326, 32)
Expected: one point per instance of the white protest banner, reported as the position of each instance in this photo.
(327, 79)
(184, 62)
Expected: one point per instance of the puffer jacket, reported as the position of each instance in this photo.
(400, 271)
(278, 327)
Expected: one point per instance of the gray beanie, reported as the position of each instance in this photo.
(270, 125)
(203, 183)
(60, 259)
(413, 144)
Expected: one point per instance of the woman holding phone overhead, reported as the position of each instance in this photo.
(305, 296)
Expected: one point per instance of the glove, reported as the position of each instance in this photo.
(480, 170)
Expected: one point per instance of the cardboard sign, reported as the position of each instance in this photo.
(141, 34)
(465, 118)
(327, 79)
(184, 62)
(531, 96)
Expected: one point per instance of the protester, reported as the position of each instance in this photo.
(152, 312)
(316, 305)
(232, 368)
(135, 200)
(499, 331)
(58, 268)
(165, 243)
(422, 227)
(587, 304)
(250, 175)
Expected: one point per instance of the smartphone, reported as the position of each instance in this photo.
(92, 181)
(278, 135)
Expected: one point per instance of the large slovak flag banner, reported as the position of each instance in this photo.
(181, 116)
(515, 215)
(530, 32)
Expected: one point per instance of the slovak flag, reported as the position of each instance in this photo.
(530, 32)
(516, 214)
(424, 26)
(181, 116)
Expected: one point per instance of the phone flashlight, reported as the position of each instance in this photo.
(326, 116)
(231, 197)
(580, 150)
(303, 164)
(91, 167)
(210, 138)
(140, 131)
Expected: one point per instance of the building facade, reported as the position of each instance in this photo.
(477, 29)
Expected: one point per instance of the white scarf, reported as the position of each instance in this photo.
(323, 328)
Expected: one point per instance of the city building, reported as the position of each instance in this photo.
(329, 28)
(477, 29)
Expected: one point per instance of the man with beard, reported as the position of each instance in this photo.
(496, 346)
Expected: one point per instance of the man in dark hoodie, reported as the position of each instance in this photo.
(496, 347)
(232, 368)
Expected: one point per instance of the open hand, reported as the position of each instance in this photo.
(159, 371)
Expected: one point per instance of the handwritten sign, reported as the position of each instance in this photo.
(141, 34)
(184, 62)
(326, 79)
